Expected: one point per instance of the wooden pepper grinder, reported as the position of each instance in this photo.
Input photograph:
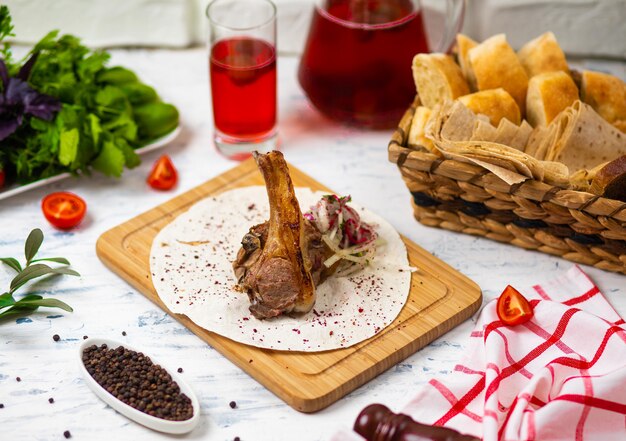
(377, 423)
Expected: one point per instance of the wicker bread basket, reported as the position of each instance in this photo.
(467, 198)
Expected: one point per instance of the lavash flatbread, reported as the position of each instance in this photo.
(190, 263)
(453, 127)
(586, 139)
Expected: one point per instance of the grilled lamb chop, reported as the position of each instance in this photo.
(280, 260)
(254, 241)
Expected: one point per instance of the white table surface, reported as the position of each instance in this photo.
(349, 161)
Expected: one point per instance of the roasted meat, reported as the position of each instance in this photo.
(254, 241)
(280, 260)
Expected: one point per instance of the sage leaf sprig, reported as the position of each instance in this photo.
(32, 270)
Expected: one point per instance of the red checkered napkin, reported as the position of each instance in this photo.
(560, 376)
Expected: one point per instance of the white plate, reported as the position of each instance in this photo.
(158, 424)
(17, 189)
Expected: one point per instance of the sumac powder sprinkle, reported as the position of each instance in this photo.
(132, 378)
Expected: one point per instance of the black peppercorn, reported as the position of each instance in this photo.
(56, 337)
(50, 400)
(85, 337)
(18, 379)
(132, 378)
(180, 370)
(124, 333)
(232, 404)
(1, 406)
(67, 434)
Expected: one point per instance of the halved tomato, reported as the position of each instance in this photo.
(513, 308)
(163, 175)
(63, 209)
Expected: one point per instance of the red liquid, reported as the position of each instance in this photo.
(361, 73)
(243, 85)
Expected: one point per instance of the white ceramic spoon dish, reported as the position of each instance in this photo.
(158, 424)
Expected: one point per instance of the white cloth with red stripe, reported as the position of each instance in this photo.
(560, 376)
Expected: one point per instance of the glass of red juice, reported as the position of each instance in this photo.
(242, 70)
(356, 64)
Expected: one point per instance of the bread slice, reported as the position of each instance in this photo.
(495, 64)
(417, 136)
(610, 180)
(438, 78)
(607, 95)
(463, 46)
(495, 103)
(543, 54)
(548, 94)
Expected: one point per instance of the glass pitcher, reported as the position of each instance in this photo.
(356, 64)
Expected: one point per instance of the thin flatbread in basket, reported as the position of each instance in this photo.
(191, 266)
(452, 129)
(578, 139)
(585, 139)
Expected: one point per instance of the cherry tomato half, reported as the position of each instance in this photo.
(163, 175)
(63, 209)
(513, 308)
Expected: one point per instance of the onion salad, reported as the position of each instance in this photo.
(352, 241)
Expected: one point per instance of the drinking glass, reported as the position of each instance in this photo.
(242, 67)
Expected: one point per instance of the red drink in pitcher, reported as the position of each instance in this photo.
(243, 85)
(356, 65)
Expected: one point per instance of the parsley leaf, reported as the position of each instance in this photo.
(68, 146)
(6, 30)
(111, 160)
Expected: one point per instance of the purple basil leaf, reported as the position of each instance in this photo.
(7, 127)
(18, 99)
(21, 99)
(42, 106)
(16, 91)
(24, 72)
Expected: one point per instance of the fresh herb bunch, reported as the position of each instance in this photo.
(32, 270)
(106, 112)
(18, 99)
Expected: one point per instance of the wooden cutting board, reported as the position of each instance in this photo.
(440, 299)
